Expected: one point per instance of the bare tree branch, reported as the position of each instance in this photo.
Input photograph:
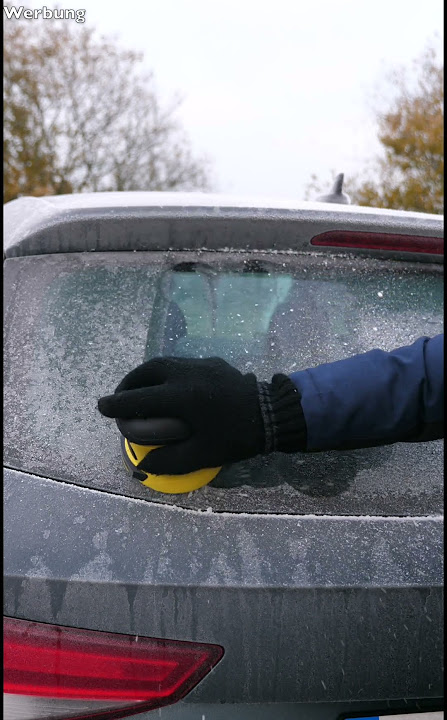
(80, 115)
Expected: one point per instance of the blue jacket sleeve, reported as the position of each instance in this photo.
(375, 398)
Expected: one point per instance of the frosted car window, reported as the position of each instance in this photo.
(76, 323)
(202, 312)
(277, 319)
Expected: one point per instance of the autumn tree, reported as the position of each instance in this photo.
(409, 175)
(80, 115)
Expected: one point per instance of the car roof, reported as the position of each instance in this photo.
(177, 220)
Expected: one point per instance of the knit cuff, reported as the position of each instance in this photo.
(284, 423)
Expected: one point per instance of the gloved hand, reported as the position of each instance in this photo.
(231, 416)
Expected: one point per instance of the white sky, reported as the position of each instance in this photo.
(274, 91)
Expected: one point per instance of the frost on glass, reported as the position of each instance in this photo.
(78, 323)
(82, 333)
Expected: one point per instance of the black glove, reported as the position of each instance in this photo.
(231, 416)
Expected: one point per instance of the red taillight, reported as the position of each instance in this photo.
(105, 669)
(380, 241)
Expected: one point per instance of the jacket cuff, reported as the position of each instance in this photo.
(284, 422)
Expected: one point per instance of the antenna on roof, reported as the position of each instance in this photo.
(336, 194)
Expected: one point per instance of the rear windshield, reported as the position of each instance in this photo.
(76, 323)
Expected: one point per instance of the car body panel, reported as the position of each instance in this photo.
(315, 595)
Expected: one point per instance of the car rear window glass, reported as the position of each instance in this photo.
(75, 324)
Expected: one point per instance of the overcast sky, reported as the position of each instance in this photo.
(274, 90)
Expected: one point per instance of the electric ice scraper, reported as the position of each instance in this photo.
(139, 437)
